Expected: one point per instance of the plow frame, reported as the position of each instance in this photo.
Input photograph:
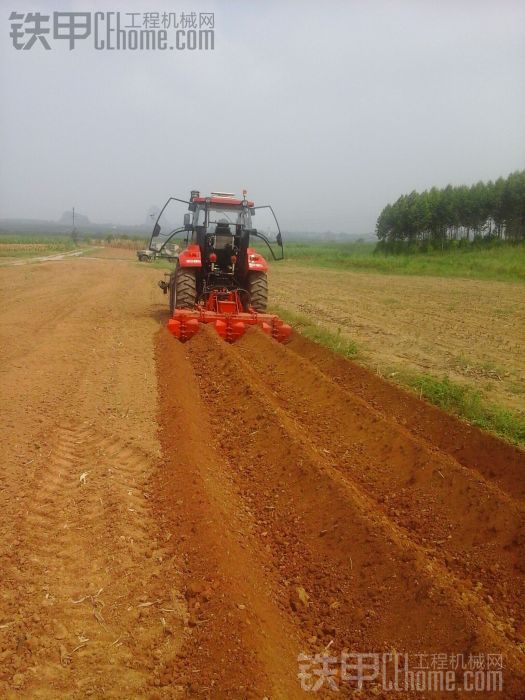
(224, 310)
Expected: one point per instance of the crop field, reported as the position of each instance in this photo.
(184, 520)
(28, 246)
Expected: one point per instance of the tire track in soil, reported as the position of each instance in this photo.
(86, 611)
(90, 602)
(369, 583)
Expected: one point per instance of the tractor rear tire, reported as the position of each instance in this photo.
(183, 289)
(258, 288)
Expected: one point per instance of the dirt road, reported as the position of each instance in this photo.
(184, 520)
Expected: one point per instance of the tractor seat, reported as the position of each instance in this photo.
(223, 236)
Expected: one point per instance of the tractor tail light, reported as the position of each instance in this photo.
(213, 257)
(233, 259)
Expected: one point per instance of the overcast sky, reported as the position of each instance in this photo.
(327, 110)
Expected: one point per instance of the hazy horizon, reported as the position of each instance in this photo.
(328, 112)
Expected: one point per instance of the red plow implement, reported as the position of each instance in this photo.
(225, 311)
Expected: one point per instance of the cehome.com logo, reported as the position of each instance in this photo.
(114, 31)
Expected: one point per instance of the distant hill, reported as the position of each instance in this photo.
(41, 227)
(85, 227)
(80, 219)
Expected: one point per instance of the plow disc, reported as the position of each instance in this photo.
(225, 312)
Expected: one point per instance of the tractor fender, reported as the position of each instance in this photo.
(190, 257)
(256, 262)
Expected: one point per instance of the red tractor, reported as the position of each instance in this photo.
(219, 278)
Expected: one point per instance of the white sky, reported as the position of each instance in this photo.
(327, 110)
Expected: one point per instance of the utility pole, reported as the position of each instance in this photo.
(74, 235)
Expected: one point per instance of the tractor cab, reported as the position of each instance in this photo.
(222, 229)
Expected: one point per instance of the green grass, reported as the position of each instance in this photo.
(334, 341)
(160, 264)
(504, 262)
(468, 403)
(328, 254)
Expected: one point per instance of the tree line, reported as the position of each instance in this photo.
(434, 218)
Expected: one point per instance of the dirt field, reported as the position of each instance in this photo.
(184, 520)
(470, 330)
